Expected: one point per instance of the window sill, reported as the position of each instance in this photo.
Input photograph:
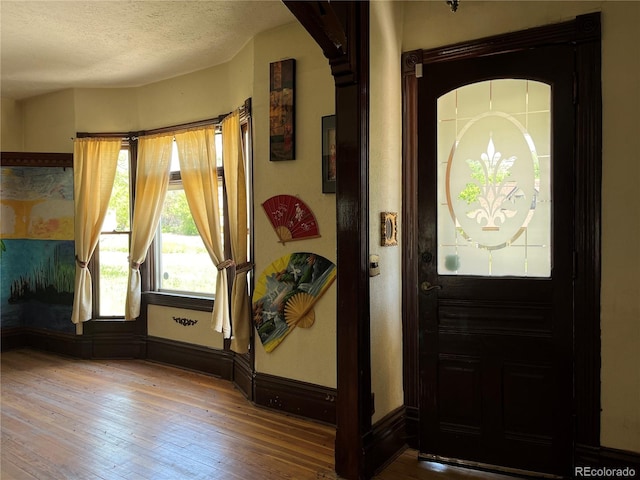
(189, 302)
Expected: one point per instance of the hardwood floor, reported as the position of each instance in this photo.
(69, 419)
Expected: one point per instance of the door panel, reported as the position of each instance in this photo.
(496, 252)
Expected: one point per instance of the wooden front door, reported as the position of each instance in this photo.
(496, 254)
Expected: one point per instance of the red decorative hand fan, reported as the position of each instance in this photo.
(291, 218)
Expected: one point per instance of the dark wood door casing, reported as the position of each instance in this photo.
(584, 34)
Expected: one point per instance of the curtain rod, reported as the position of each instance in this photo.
(183, 126)
(155, 131)
(244, 109)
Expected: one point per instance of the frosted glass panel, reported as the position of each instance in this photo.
(494, 183)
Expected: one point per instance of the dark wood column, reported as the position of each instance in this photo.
(342, 31)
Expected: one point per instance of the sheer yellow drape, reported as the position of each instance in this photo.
(152, 180)
(197, 154)
(236, 183)
(94, 169)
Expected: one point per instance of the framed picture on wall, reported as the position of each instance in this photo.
(329, 154)
(282, 79)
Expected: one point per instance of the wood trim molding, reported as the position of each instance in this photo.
(385, 441)
(218, 363)
(333, 25)
(243, 374)
(295, 397)
(353, 415)
(342, 31)
(584, 34)
(584, 29)
(587, 233)
(327, 22)
(47, 340)
(409, 62)
(177, 301)
(598, 457)
(410, 239)
(11, 338)
(612, 457)
(35, 159)
(412, 426)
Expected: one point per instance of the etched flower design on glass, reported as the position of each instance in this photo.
(492, 191)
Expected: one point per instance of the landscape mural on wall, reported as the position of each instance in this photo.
(37, 248)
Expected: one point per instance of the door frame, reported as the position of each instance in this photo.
(584, 33)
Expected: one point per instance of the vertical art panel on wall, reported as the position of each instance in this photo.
(329, 165)
(282, 77)
(286, 292)
(37, 247)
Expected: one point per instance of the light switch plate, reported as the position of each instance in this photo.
(374, 265)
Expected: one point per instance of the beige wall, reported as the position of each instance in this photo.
(306, 354)
(621, 226)
(106, 110)
(197, 96)
(11, 126)
(49, 122)
(385, 195)
(162, 324)
(431, 24)
(241, 74)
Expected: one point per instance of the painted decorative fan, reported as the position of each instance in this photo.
(285, 294)
(291, 218)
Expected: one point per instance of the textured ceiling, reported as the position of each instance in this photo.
(52, 45)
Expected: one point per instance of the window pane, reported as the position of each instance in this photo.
(218, 142)
(494, 179)
(114, 247)
(184, 263)
(175, 160)
(118, 218)
(114, 253)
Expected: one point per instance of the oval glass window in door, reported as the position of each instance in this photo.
(494, 179)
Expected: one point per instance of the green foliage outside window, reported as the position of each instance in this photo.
(176, 216)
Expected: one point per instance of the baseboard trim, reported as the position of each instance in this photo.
(385, 441)
(294, 397)
(243, 375)
(201, 359)
(47, 340)
(12, 338)
(606, 457)
(612, 457)
(117, 346)
(412, 427)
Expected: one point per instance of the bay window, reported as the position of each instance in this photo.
(178, 268)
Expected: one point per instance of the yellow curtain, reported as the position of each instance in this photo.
(235, 181)
(152, 181)
(197, 154)
(94, 169)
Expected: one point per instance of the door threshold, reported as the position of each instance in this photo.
(486, 467)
